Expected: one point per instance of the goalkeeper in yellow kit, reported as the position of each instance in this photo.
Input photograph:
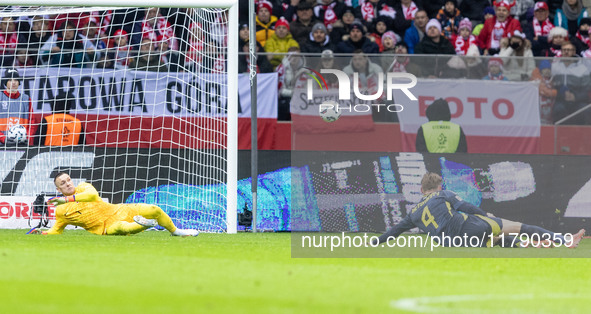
(82, 206)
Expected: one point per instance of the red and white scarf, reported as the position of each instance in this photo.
(8, 42)
(163, 28)
(329, 15)
(542, 29)
(586, 53)
(102, 21)
(409, 13)
(368, 11)
(498, 77)
(586, 39)
(498, 32)
(461, 45)
(399, 66)
(556, 52)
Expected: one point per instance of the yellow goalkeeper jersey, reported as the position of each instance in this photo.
(89, 212)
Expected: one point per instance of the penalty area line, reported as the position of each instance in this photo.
(440, 304)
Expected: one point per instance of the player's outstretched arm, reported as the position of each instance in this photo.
(87, 193)
(398, 229)
(58, 228)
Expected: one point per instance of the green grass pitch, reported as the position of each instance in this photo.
(151, 272)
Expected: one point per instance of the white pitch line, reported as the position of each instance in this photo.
(428, 304)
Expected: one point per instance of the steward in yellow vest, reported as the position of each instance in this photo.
(60, 128)
(439, 135)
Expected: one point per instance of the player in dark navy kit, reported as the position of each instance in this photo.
(442, 214)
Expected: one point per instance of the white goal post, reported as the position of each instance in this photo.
(230, 120)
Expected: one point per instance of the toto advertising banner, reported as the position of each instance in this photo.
(496, 116)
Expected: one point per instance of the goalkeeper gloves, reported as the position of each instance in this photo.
(37, 231)
(55, 201)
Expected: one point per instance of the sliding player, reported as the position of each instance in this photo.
(82, 206)
(443, 213)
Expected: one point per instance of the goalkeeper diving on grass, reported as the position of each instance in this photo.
(443, 215)
(82, 206)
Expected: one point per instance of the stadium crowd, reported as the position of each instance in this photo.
(474, 39)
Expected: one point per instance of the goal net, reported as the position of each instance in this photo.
(139, 101)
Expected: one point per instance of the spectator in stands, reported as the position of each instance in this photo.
(449, 17)
(543, 74)
(369, 80)
(401, 62)
(489, 12)
(155, 25)
(265, 22)
(318, 41)
(379, 27)
(464, 38)
(195, 46)
(581, 40)
(342, 28)
(280, 42)
(556, 38)
(8, 41)
(430, 134)
(290, 73)
(415, 33)
(389, 41)
(39, 40)
(302, 26)
(539, 28)
(367, 70)
(497, 27)
(218, 28)
(434, 44)
(289, 9)
(243, 33)
(495, 70)
(121, 49)
(147, 58)
(474, 66)
(571, 79)
(405, 14)
(213, 61)
(23, 58)
(68, 49)
(370, 10)
(171, 59)
(106, 61)
(60, 128)
(473, 9)
(16, 107)
(262, 66)
(569, 15)
(329, 11)
(517, 57)
(519, 10)
(327, 61)
(92, 40)
(357, 40)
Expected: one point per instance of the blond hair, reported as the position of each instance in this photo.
(431, 181)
